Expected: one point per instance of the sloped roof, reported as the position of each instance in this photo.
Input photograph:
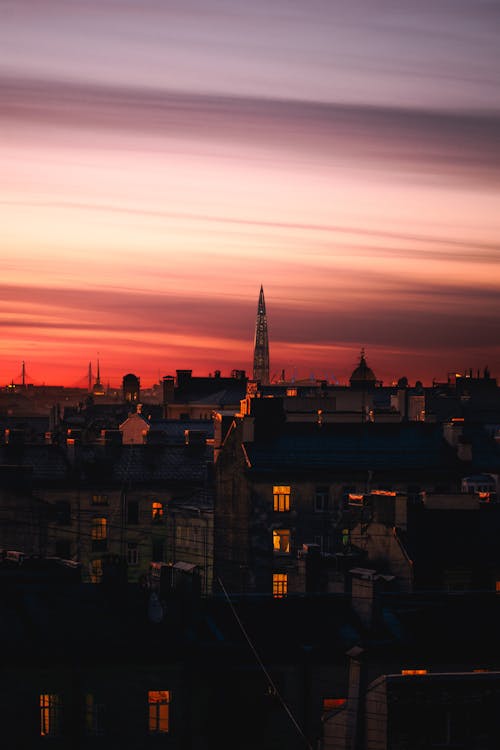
(365, 446)
(144, 463)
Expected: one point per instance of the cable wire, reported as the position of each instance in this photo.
(261, 664)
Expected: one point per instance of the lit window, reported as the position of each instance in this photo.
(497, 586)
(281, 540)
(99, 499)
(50, 715)
(280, 585)
(99, 534)
(281, 498)
(331, 704)
(99, 528)
(96, 571)
(157, 511)
(413, 671)
(93, 716)
(132, 553)
(159, 711)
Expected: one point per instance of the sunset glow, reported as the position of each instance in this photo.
(161, 161)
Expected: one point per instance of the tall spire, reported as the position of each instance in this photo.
(261, 345)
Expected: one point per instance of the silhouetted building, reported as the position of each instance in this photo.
(261, 344)
(131, 388)
(363, 376)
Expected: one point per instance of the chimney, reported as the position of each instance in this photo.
(168, 392)
(452, 431)
(365, 594)
(355, 697)
(464, 451)
(183, 378)
(195, 440)
(73, 441)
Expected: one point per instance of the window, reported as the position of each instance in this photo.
(280, 585)
(281, 541)
(63, 512)
(94, 713)
(133, 512)
(157, 511)
(159, 711)
(99, 499)
(321, 499)
(132, 553)
(99, 533)
(50, 715)
(96, 571)
(281, 498)
(99, 527)
(157, 550)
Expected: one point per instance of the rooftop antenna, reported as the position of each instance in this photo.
(23, 375)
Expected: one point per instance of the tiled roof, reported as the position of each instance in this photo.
(143, 463)
(46, 462)
(370, 446)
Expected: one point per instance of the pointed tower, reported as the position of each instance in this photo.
(98, 389)
(261, 346)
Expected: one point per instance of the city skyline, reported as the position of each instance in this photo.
(162, 162)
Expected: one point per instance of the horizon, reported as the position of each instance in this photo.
(163, 161)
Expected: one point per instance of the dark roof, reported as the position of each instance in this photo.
(143, 464)
(409, 445)
(44, 462)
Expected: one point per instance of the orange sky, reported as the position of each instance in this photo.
(158, 166)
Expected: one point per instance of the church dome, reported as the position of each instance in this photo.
(362, 375)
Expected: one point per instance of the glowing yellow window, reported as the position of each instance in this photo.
(280, 585)
(50, 714)
(159, 711)
(497, 586)
(157, 511)
(99, 528)
(281, 498)
(281, 540)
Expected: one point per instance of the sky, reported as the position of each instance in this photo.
(162, 159)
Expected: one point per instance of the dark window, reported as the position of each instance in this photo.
(132, 553)
(157, 550)
(321, 499)
(63, 512)
(133, 512)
